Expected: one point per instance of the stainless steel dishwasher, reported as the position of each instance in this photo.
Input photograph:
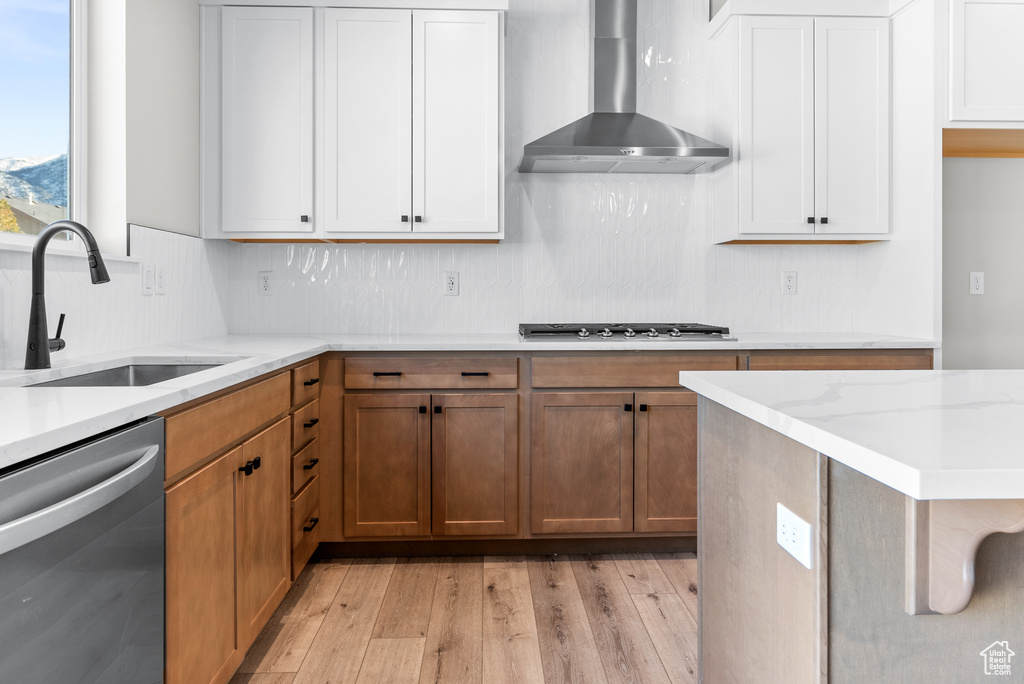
(82, 562)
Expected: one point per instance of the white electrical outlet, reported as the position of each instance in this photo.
(265, 283)
(161, 280)
(451, 283)
(978, 282)
(789, 282)
(148, 279)
(793, 534)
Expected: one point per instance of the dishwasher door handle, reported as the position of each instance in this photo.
(47, 520)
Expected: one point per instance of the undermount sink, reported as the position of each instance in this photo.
(132, 375)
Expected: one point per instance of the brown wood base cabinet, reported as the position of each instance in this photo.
(421, 464)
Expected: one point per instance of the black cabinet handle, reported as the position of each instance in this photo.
(311, 423)
(824, 219)
(304, 218)
(810, 219)
(392, 374)
(418, 219)
(405, 218)
(437, 409)
(312, 462)
(423, 409)
(643, 407)
(310, 383)
(256, 463)
(311, 525)
(247, 468)
(474, 374)
(628, 407)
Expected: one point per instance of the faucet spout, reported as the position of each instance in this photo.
(37, 351)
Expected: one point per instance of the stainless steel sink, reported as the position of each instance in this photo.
(133, 375)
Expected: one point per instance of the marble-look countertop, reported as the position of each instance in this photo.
(36, 420)
(928, 434)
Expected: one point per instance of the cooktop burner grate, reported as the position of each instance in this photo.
(623, 331)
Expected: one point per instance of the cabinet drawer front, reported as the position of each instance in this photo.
(305, 424)
(305, 383)
(305, 514)
(194, 434)
(895, 359)
(458, 373)
(305, 465)
(624, 371)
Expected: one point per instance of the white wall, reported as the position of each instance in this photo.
(983, 230)
(578, 247)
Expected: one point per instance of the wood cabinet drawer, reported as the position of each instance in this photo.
(198, 432)
(305, 383)
(305, 424)
(447, 373)
(305, 465)
(623, 371)
(305, 525)
(889, 359)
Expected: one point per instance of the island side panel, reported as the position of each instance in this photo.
(761, 616)
(872, 638)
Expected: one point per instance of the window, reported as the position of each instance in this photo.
(35, 114)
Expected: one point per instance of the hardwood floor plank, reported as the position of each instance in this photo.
(511, 648)
(641, 574)
(336, 653)
(453, 650)
(567, 646)
(405, 612)
(250, 678)
(392, 661)
(674, 633)
(283, 643)
(626, 650)
(681, 569)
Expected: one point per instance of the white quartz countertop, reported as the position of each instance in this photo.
(36, 420)
(928, 434)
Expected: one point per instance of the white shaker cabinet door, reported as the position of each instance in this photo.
(267, 119)
(851, 122)
(776, 129)
(986, 60)
(456, 117)
(367, 120)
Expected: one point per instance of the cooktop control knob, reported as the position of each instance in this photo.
(652, 333)
(606, 333)
(629, 333)
(674, 332)
(583, 334)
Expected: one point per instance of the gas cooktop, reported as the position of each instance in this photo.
(624, 332)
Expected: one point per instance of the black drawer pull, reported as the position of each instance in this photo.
(313, 522)
(643, 407)
(824, 220)
(810, 219)
(628, 407)
(256, 463)
(304, 218)
(389, 374)
(423, 409)
(312, 462)
(247, 468)
(418, 219)
(405, 218)
(474, 374)
(311, 423)
(310, 383)
(437, 409)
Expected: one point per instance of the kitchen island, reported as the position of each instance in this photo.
(902, 476)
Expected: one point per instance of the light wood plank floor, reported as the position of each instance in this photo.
(494, 620)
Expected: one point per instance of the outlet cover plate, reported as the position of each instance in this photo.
(793, 534)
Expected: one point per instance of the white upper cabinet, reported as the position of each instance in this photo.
(805, 102)
(266, 102)
(405, 141)
(986, 61)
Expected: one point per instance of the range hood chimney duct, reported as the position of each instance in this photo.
(614, 138)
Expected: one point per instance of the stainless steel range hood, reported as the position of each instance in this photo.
(615, 139)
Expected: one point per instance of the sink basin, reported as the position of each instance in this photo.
(133, 375)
